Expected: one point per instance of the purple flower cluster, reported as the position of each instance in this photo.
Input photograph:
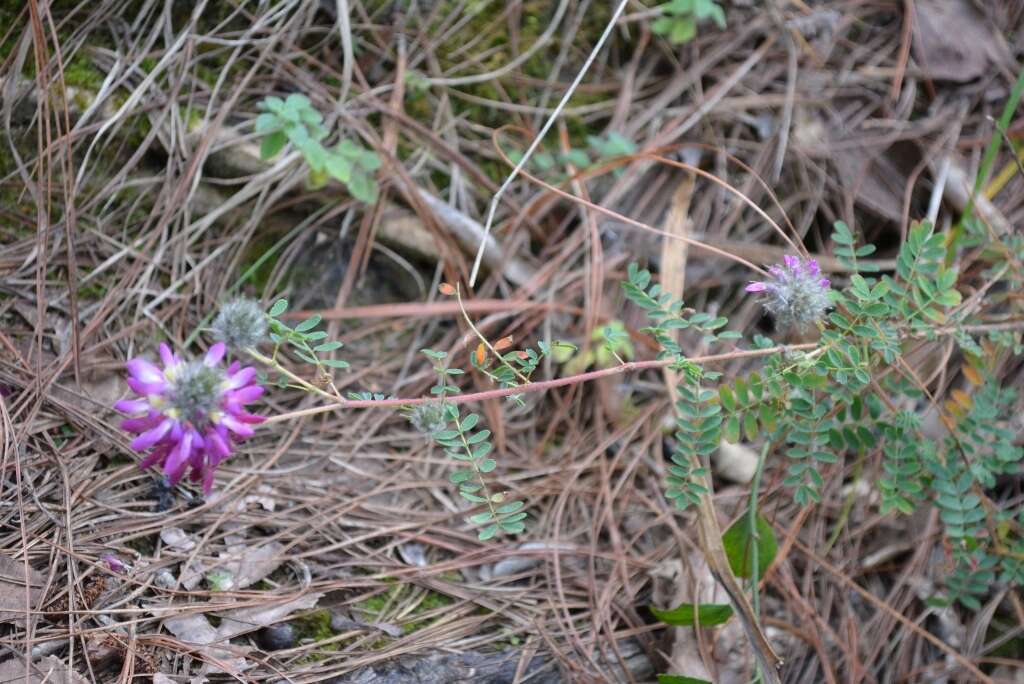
(191, 412)
(796, 292)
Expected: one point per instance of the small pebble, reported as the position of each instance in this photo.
(276, 637)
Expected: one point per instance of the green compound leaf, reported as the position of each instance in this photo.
(688, 614)
(738, 544)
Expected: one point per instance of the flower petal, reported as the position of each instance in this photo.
(140, 425)
(156, 456)
(167, 356)
(756, 287)
(151, 437)
(215, 354)
(132, 405)
(241, 378)
(217, 445)
(146, 388)
(244, 395)
(145, 371)
(178, 458)
(250, 418)
(236, 426)
(208, 480)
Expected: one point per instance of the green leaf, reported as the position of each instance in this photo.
(727, 398)
(328, 346)
(739, 548)
(487, 532)
(334, 363)
(297, 101)
(308, 324)
(731, 430)
(510, 507)
(279, 307)
(272, 144)
(363, 187)
(273, 104)
(460, 476)
(265, 123)
(339, 168)
(686, 615)
(750, 426)
(368, 160)
(684, 29)
(481, 518)
(516, 527)
(487, 465)
(680, 679)
(662, 26)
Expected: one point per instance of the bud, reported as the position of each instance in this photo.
(240, 324)
(795, 293)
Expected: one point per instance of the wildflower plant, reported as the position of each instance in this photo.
(189, 413)
(811, 406)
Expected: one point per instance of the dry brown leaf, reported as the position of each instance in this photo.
(196, 629)
(12, 589)
(952, 40)
(49, 670)
(877, 176)
(247, 566)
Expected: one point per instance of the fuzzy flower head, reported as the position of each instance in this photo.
(795, 293)
(188, 414)
(429, 418)
(240, 323)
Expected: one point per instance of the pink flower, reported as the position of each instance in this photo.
(189, 413)
(795, 292)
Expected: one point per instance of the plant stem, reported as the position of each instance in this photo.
(507, 391)
(305, 384)
(755, 579)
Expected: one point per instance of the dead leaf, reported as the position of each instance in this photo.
(242, 620)
(12, 589)
(247, 566)
(177, 539)
(196, 629)
(878, 176)
(952, 40)
(49, 670)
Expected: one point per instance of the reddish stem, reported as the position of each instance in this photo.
(534, 386)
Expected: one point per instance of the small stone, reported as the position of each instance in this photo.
(276, 637)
